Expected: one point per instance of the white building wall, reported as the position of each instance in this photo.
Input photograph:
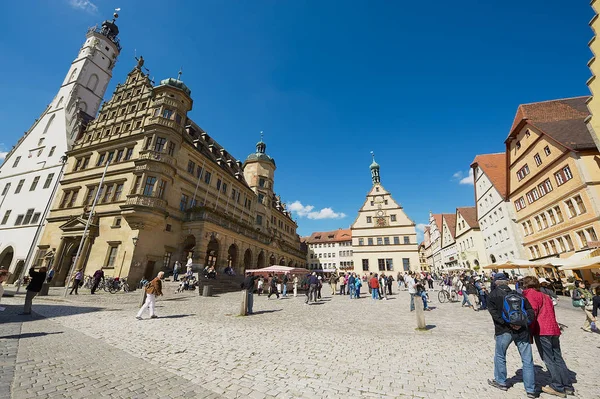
(329, 255)
(501, 237)
(38, 154)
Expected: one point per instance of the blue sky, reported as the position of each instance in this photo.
(425, 85)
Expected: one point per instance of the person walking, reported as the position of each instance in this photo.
(153, 290)
(34, 287)
(390, 282)
(286, 279)
(3, 277)
(472, 293)
(506, 333)
(412, 289)
(595, 306)
(248, 285)
(352, 286)
(430, 281)
(582, 298)
(312, 282)
(546, 333)
(382, 286)
(273, 287)
(482, 292)
(333, 280)
(261, 282)
(176, 269)
(357, 285)
(374, 285)
(50, 275)
(319, 286)
(76, 282)
(546, 288)
(342, 281)
(98, 275)
(462, 288)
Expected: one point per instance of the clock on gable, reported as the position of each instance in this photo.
(380, 221)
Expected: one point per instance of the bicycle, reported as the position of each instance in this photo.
(114, 285)
(445, 296)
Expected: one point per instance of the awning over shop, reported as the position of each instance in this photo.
(518, 264)
(589, 259)
(279, 269)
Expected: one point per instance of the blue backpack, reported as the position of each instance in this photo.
(513, 310)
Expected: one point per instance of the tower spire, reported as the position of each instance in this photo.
(261, 147)
(374, 170)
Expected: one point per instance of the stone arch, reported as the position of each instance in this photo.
(272, 260)
(260, 262)
(72, 75)
(290, 264)
(281, 261)
(49, 123)
(232, 256)
(93, 82)
(83, 106)
(17, 272)
(189, 246)
(212, 252)
(60, 102)
(248, 259)
(6, 257)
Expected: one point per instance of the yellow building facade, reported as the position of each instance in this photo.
(553, 176)
(170, 193)
(593, 121)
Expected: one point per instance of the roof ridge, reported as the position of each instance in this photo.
(555, 100)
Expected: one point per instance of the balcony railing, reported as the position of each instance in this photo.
(150, 202)
(159, 120)
(157, 156)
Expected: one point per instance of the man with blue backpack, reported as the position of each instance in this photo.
(512, 314)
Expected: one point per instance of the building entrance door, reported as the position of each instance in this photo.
(149, 272)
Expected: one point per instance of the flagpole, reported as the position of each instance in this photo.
(199, 177)
(85, 230)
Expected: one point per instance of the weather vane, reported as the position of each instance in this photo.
(261, 135)
(373, 155)
(179, 73)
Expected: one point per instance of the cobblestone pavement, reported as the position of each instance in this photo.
(88, 346)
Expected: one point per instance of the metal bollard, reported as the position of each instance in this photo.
(244, 308)
(420, 313)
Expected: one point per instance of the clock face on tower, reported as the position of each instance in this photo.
(380, 221)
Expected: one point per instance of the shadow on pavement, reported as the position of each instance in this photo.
(176, 316)
(29, 335)
(266, 311)
(45, 310)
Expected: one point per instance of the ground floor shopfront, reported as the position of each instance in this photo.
(137, 248)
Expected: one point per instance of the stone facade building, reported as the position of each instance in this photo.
(330, 250)
(384, 239)
(170, 192)
(469, 241)
(593, 120)
(30, 174)
(448, 235)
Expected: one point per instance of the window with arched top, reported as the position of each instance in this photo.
(49, 124)
(93, 82)
(60, 102)
(83, 106)
(73, 75)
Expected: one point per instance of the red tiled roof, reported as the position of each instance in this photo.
(494, 167)
(339, 235)
(563, 120)
(469, 213)
(451, 222)
(438, 221)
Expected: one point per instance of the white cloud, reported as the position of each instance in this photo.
(421, 227)
(3, 155)
(308, 212)
(83, 5)
(461, 178)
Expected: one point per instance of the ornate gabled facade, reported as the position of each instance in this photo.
(30, 174)
(449, 252)
(469, 241)
(171, 192)
(434, 255)
(384, 239)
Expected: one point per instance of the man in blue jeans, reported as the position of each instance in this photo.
(505, 334)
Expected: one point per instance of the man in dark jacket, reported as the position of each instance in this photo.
(34, 287)
(248, 285)
(505, 334)
(98, 275)
(313, 283)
